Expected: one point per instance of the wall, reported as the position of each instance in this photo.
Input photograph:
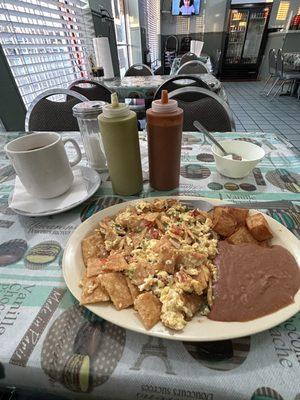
(294, 6)
(106, 28)
(210, 26)
(12, 109)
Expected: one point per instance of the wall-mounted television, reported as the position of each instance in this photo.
(185, 7)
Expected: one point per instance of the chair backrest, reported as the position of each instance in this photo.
(171, 43)
(187, 57)
(179, 82)
(203, 105)
(279, 64)
(193, 67)
(91, 89)
(185, 44)
(48, 115)
(272, 61)
(138, 70)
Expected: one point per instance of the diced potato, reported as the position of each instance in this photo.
(239, 214)
(259, 227)
(223, 223)
(242, 235)
(264, 243)
(149, 308)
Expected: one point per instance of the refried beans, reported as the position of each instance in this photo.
(253, 281)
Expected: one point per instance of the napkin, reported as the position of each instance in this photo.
(24, 201)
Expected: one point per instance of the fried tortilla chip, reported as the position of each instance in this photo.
(94, 266)
(117, 288)
(92, 291)
(193, 303)
(142, 270)
(149, 308)
(93, 246)
(134, 290)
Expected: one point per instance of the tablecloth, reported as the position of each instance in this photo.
(49, 344)
(291, 61)
(176, 64)
(146, 86)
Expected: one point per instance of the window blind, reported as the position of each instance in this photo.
(153, 28)
(46, 42)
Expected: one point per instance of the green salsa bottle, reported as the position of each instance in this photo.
(118, 127)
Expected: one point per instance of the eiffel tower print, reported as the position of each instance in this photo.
(154, 347)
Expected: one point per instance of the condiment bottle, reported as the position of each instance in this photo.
(118, 127)
(164, 128)
(86, 113)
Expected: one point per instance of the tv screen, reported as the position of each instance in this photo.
(185, 7)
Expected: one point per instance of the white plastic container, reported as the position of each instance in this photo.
(251, 155)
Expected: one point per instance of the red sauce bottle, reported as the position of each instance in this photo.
(164, 128)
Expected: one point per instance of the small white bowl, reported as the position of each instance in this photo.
(251, 154)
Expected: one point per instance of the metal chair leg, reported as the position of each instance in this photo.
(272, 87)
(278, 90)
(266, 84)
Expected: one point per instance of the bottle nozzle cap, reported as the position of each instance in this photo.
(164, 104)
(115, 109)
(164, 97)
(114, 100)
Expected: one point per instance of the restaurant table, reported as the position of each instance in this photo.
(45, 335)
(291, 62)
(176, 64)
(145, 86)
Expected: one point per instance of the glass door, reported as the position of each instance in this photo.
(237, 30)
(256, 28)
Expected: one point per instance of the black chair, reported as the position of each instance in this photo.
(185, 44)
(193, 67)
(170, 52)
(187, 57)
(139, 70)
(91, 89)
(206, 107)
(171, 44)
(47, 115)
(179, 82)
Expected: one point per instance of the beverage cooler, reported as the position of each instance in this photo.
(245, 41)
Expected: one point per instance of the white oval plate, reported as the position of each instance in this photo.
(92, 181)
(200, 328)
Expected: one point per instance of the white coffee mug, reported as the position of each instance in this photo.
(41, 162)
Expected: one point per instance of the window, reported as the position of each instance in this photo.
(153, 29)
(120, 20)
(46, 42)
(128, 32)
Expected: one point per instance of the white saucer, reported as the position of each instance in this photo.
(91, 180)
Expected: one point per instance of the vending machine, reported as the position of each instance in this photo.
(245, 40)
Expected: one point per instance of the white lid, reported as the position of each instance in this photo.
(115, 109)
(164, 105)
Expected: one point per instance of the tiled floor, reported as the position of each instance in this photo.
(254, 112)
